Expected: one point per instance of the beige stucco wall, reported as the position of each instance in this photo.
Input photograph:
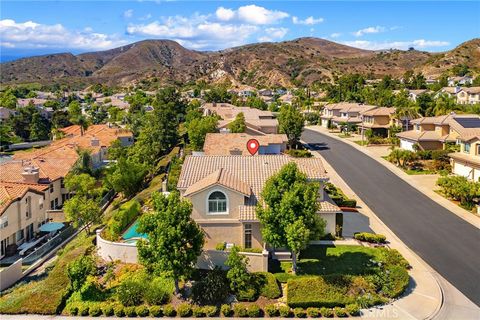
(430, 145)
(211, 258)
(10, 275)
(108, 250)
(427, 127)
(218, 232)
(200, 205)
(330, 219)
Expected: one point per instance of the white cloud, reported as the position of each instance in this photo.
(403, 45)
(251, 14)
(145, 17)
(224, 14)
(128, 13)
(335, 35)
(272, 34)
(369, 30)
(196, 31)
(29, 35)
(310, 21)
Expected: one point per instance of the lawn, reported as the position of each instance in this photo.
(361, 143)
(45, 295)
(419, 171)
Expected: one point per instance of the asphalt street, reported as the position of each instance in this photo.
(446, 242)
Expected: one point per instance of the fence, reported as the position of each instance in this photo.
(106, 199)
(47, 247)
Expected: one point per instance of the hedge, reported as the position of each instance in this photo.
(396, 281)
(326, 291)
(124, 216)
(269, 287)
(370, 237)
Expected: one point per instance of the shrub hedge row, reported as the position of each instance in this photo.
(186, 310)
(370, 237)
(121, 218)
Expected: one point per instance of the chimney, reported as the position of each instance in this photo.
(94, 142)
(30, 174)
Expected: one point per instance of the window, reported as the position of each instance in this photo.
(52, 205)
(51, 188)
(62, 183)
(248, 236)
(467, 148)
(217, 202)
(20, 235)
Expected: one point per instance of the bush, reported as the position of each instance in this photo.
(226, 310)
(391, 257)
(340, 312)
(95, 311)
(370, 237)
(269, 287)
(250, 294)
(130, 311)
(240, 310)
(210, 311)
(349, 203)
(271, 310)
(284, 311)
(220, 246)
(184, 310)
(83, 310)
(325, 291)
(326, 312)
(396, 281)
(91, 290)
(107, 310)
(121, 219)
(78, 270)
(353, 309)
(299, 313)
(119, 311)
(296, 153)
(198, 312)
(313, 312)
(159, 291)
(142, 311)
(211, 289)
(155, 311)
(254, 311)
(73, 310)
(130, 292)
(169, 311)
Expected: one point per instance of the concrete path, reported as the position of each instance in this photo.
(443, 240)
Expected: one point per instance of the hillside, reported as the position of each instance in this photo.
(304, 60)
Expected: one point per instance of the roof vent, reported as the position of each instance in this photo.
(31, 174)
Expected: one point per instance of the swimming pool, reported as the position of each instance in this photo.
(132, 233)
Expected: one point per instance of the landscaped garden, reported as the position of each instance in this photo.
(460, 190)
(421, 161)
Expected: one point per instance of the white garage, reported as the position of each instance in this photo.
(465, 170)
(407, 144)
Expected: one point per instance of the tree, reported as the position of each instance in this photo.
(39, 128)
(256, 102)
(82, 211)
(237, 274)
(288, 198)
(81, 184)
(127, 176)
(83, 163)
(291, 123)
(406, 109)
(78, 270)
(217, 94)
(298, 236)
(76, 116)
(444, 105)
(8, 99)
(238, 125)
(174, 240)
(198, 129)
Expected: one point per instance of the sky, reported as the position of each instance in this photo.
(40, 27)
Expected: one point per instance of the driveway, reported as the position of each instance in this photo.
(446, 242)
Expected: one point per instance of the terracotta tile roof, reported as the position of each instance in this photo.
(219, 177)
(252, 170)
(468, 158)
(381, 111)
(327, 205)
(247, 213)
(349, 107)
(224, 143)
(348, 119)
(10, 192)
(420, 135)
(471, 90)
(228, 111)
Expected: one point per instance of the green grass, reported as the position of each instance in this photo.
(45, 295)
(323, 260)
(418, 172)
(361, 143)
(343, 136)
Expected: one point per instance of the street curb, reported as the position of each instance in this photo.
(429, 269)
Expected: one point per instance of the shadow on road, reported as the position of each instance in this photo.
(317, 146)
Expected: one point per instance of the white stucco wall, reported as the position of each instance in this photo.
(406, 144)
(10, 275)
(108, 250)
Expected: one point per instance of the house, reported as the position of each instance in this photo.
(343, 112)
(379, 120)
(225, 190)
(449, 91)
(464, 80)
(258, 122)
(466, 162)
(468, 95)
(412, 94)
(223, 144)
(31, 184)
(6, 113)
(433, 133)
(35, 101)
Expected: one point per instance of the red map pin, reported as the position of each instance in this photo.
(252, 146)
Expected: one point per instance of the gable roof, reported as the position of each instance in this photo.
(381, 111)
(224, 143)
(11, 191)
(219, 177)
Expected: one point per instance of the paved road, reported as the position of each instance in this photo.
(446, 242)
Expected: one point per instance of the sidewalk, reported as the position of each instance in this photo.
(423, 183)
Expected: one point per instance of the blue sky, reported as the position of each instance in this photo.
(38, 27)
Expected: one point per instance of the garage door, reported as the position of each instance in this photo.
(407, 145)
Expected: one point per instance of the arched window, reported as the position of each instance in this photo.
(217, 202)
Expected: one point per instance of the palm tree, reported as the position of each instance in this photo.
(406, 112)
(83, 163)
(444, 105)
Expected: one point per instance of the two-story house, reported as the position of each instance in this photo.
(432, 133)
(468, 95)
(463, 80)
(344, 112)
(466, 162)
(235, 144)
(225, 191)
(379, 120)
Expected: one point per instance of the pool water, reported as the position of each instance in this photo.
(132, 233)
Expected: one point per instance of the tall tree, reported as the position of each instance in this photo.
(291, 122)
(77, 117)
(198, 129)
(444, 105)
(287, 199)
(238, 125)
(8, 99)
(174, 240)
(126, 176)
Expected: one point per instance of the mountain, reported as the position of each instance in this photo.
(303, 60)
